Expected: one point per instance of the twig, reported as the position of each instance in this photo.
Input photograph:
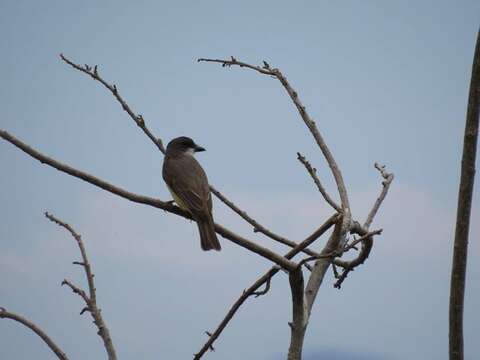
(256, 226)
(78, 291)
(264, 278)
(93, 72)
(227, 63)
(4, 314)
(245, 295)
(341, 278)
(211, 347)
(386, 185)
(265, 290)
(91, 299)
(313, 173)
(167, 206)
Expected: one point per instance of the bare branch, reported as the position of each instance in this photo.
(167, 206)
(386, 185)
(77, 290)
(90, 178)
(264, 278)
(245, 295)
(4, 314)
(227, 63)
(274, 257)
(114, 90)
(267, 70)
(256, 226)
(313, 173)
(285, 241)
(90, 301)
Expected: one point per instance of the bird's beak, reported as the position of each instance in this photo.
(199, 148)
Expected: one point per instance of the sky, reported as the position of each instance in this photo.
(385, 81)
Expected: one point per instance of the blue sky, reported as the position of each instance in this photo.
(385, 81)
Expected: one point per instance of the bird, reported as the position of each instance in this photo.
(187, 182)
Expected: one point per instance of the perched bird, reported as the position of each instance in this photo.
(189, 187)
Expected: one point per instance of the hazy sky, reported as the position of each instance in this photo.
(385, 81)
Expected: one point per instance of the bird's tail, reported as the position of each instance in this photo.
(208, 238)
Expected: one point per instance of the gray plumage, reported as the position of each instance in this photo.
(189, 187)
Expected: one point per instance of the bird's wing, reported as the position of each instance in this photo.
(186, 178)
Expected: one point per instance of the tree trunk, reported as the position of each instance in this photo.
(457, 286)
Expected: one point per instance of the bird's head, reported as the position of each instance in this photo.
(183, 144)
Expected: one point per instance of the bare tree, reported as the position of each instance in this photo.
(467, 177)
(348, 234)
